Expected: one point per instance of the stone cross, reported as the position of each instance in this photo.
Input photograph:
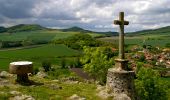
(121, 22)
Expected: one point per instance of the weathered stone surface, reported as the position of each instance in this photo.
(121, 64)
(76, 97)
(19, 96)
(22, 97)
(5, 74)
(15, 93)
(21, 67)
(54, 87)
(104, 94)
(41, 74)
(121, 97)
(120, 82)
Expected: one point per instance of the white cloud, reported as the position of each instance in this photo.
(89, 14)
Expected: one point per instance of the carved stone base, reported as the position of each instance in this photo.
(120, 82)
(121, 64)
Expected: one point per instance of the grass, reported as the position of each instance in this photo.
(154, 40)
(45, 35)
(41, 35)
(54, 53)
(46, 92)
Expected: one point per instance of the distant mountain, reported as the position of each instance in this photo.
(24, 27)
(163, 30)
(76, 29)
(2, 29)
(81, 30)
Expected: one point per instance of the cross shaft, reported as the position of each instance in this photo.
(121, 22)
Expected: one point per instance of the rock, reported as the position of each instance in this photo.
(15, 93)
(41, 74)
(2, 92)
(104, 94)
(55, 80)
(121, 97)
(30, 74)
(5, 74)
(76, 97)
(54, 87)
(99, 87)
(4, 82)
(23, 97)
(72, 82)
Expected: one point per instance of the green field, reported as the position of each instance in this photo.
(54, 53)
(154, 40)
(43, 35)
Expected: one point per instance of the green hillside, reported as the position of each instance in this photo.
(24, 27)
(75, 29)
(155, 37)
(36, 34)
(54, 53)
(2, 29)
(159, 31)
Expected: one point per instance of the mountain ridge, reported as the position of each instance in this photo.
(36, 27)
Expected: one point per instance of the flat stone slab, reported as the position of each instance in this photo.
(21, 63)
(21, 67)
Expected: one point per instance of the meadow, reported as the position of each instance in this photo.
(154, 40)
(53, 53)
(43, 35)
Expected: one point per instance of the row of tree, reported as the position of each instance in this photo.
(9, 44)
(78, 41)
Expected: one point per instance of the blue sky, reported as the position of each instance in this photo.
(95, 15)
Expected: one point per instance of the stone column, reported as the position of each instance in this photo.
(120, 81)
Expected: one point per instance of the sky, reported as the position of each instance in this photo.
(96, 15)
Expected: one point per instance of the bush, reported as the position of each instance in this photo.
(35, 70)
(63, 63)
(78, 41)
(77, 63)
(46, 65)
(96, 62)
(149, 85)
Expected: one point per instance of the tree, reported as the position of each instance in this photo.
(96, 62)
(149, 86)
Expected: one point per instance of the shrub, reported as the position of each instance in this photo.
(63, 63)
(149, 85)
(35, 70)
(46, 65)
(77, 63)
(96, 62)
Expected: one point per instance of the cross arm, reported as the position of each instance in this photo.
(117, 22)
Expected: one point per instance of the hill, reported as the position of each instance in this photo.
(2, 29)
(162, 30)
(81, 30)
(75, 29)
(25, 27)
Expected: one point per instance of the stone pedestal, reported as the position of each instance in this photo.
(21, 68)
(120, 81)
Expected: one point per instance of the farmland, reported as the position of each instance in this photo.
(54, 53)
(46, 35)
(154, 40)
